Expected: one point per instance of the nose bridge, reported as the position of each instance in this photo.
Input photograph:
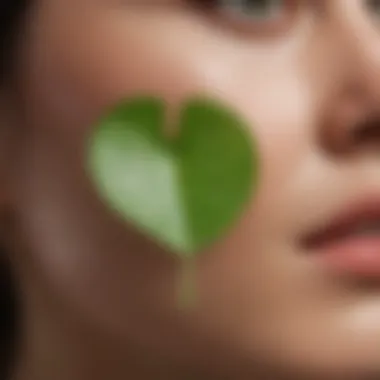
(354, 46)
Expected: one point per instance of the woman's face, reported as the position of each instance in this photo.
(305, 74)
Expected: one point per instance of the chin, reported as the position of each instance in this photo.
(312, 353)
(330, 359)
(312, 365)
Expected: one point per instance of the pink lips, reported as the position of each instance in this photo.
(351, 243)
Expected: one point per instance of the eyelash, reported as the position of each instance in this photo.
(228, 18)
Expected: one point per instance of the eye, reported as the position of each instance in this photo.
(260, 10)
(254, 15)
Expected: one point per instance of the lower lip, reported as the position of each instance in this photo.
(357, 255)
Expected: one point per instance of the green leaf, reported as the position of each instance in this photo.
(184, 191)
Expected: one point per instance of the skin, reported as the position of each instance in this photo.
(98, 298)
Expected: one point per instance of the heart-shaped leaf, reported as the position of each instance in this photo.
(183, 191)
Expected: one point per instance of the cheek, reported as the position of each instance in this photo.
(280, 107)
(68, 89)
(88, 70)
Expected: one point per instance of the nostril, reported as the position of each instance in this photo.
(344, 136)
(366, 133)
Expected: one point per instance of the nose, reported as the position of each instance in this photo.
(351, 123)
(350, 112)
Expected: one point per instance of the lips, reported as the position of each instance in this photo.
(350, 244)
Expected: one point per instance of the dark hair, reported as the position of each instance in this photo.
(11, 12)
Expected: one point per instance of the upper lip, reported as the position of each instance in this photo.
(365, 211)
